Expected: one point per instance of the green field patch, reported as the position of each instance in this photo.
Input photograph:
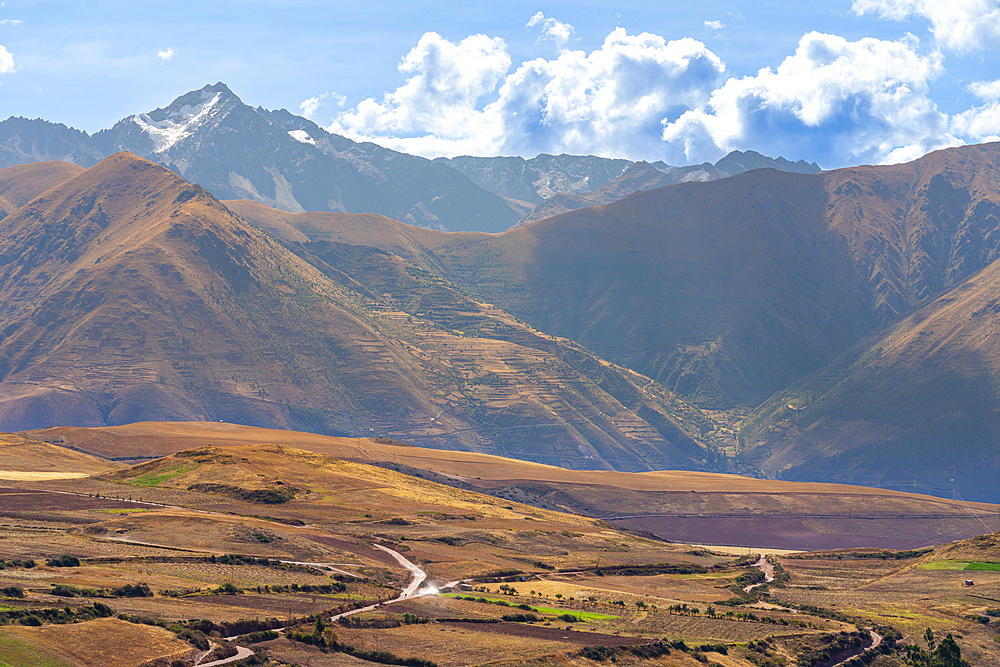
(943, 565)
(165, 475)
(905, 619)
(582, 615)
(985, 567)
(15, 652)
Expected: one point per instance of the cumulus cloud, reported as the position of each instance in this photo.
(833, 100)
(980, 124)
(6, 61)
(608, 102)
(986, 90)
(10, 22)
(437, 110)
(715, 25)
(557, 32)
(962, 25)
(311, 105)
(836, 101)
(165, 54)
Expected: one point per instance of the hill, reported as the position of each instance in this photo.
(727, 310)
(677, 505)
(29, 459)
(130, 294)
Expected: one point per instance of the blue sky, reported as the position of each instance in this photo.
(845, 82)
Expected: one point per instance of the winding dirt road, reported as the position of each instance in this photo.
(411, 591)
(768, 571)
(241, 652)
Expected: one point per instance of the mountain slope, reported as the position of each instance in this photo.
(728, 290)
(640, 176)
(915, 406)
(24, 141)
(22, 183)
(130, 294)
(721, 308)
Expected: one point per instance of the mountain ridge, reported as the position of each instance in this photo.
(212, 138)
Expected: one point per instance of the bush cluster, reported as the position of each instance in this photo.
(26, 563)
(59, 616)
(64, 560)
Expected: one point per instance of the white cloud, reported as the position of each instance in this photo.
(6, 61)
(715, 25)
(834, 101)
(165, 54)
(962, 25)
(981, 124)
(437, 106)
(311, 105)
(608, 102)
(986, 90)
(557, 32)
(11, 22)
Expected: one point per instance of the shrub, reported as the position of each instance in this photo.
(64, 560)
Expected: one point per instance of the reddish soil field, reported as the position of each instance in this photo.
(355, 547)
(552, 634)
(804, 532)
(25, 500)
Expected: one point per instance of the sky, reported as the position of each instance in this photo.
(840, 83)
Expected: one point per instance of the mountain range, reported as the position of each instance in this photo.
(211, 138)
(791, 323)
(729, 293)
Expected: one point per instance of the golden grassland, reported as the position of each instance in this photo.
(102, 643)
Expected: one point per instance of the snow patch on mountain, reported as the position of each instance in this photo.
(302, 136)
(178, 124)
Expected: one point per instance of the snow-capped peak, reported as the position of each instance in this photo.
(178, 124)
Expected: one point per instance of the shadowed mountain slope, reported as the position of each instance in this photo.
(913, 407)
(726, 291)
(640, 176)
(721, 307)
(24, 141)
(128, 294)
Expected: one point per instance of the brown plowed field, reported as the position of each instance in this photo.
(807, 533)
(551, 633)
